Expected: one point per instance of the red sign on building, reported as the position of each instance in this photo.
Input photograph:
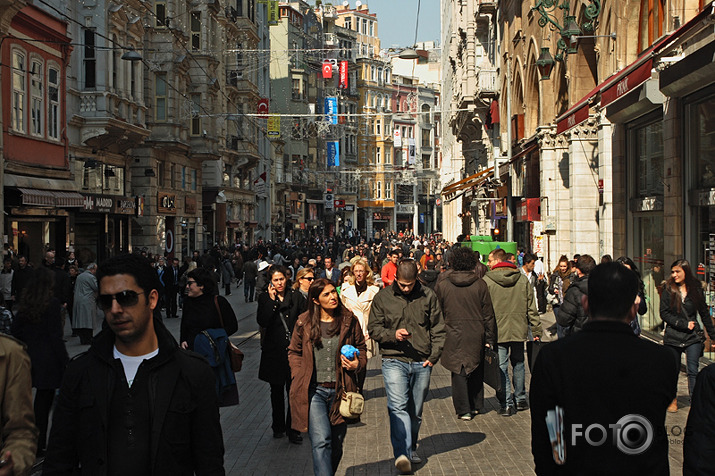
(344, 74)
(625, 84)
(327, 70)
(263, 107)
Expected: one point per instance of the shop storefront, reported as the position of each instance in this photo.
(101, 228)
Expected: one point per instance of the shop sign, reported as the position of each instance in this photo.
(529, 210)
(140, 206)
(98, 203)
(380, 216)
(405, 209)
(573, 119)
(125, 206)
(166, 203)
(626, 84)
(349, 208)
(537, 243)
(190, 207)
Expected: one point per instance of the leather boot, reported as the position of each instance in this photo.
(673, 407)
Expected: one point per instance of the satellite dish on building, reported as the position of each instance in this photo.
(358, 4)
(346, 3)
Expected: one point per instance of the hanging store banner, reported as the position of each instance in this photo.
(333, 153)
(273, 13)
(343, 74)
(331, 109)
(263, 107)
(327, 70)
(397, 138)
(621, 85)
(274, 126)
(412, 148)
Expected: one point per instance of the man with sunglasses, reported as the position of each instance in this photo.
(135, 403)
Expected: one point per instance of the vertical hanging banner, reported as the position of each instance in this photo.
(327, 70)
(412, 151)
(331, 109)
(397, 138)
(263, 107)
(333, 153)
(343, 74)
(274, 126)
(273, 14)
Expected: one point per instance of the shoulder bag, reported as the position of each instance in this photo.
(352, 404)
(234, 352)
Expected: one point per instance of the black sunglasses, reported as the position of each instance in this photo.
(125, 299)
(309, 278)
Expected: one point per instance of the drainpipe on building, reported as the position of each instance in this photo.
(509, 199)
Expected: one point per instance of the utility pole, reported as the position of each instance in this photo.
(509, 132)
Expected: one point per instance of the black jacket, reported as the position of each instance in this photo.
(699, 444)
(676, 331)
(571, 314)
(603, 375)
(186, 435)
(274, 367)
(468, 317)
(200, 313)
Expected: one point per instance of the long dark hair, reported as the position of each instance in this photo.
(314, 309)
(629, 262)
(692, 285)
(35, 298)
(205, 278)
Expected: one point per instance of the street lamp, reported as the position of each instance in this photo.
(545, 63)
(131, 55)
(571, 32)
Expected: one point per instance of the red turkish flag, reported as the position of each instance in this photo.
(327, 70)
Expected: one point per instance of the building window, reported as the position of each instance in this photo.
(90, 60)
(372, 28)
(18, 91)
(160, 105)
(36, 109)
(53, 98)
(650, 26)
(378, 155)
(378, 190)
(388, 155)
(426, 138)
(183, 178)
(349, 23)
(388, 190)
(195, 31)
(195, 114)
(116, 54)
(296, 90)
(172, 179)
(364, 26)
(378, 128)
(426, 161)
(194, 180)
(133, 80)
(160, 14)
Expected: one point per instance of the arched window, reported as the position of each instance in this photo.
(650, 25)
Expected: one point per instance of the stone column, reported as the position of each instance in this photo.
(583, 189)
(605, 173)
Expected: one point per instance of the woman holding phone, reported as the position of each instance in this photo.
(274, 318)
(321, 374)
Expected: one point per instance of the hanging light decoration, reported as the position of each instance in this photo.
(545, 63)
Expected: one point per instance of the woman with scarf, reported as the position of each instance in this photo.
(357, 296)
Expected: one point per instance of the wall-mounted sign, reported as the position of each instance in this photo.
(166, 203)
(190, 207)
(125, 206)
(140, 206)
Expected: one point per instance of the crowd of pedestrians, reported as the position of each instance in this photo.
(410, 300)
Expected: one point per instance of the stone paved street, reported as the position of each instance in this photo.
(490, 444)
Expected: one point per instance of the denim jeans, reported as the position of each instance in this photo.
(511, 352)
(406, 386)
(692, 357)
(326, 440)
(249, 288)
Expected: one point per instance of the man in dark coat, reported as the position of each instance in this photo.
(469, 319)
(612, 387)
(572, 315)
(135, 403)
(699, 444)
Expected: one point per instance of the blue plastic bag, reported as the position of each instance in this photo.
(349, 352)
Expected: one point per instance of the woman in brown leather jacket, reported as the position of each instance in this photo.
(320, 374)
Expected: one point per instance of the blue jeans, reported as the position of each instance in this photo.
(406, 386)
(326, 440)
(692, 358)
(514, 352)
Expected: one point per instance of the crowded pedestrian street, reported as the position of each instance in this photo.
(487, 445)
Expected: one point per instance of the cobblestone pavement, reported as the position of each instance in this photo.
(489, 444)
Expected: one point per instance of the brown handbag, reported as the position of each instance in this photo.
(234, 352)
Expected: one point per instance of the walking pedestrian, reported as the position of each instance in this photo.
(559, 282)
(250, 273)
(469, 320)
(606, 382)
(516, 314)
(321, 374)
(273, 316)
(135, 403)
(681, 303)
(572, 315)
(84, 312)
(406, 320)
(699, 442)
(38, 324)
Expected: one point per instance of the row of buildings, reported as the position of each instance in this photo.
(173, 125)
(583, 127)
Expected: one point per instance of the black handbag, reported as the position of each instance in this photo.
(492, 372)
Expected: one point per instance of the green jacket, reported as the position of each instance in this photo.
(514, 304)
(419, 312)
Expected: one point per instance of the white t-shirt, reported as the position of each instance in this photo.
(131, 363)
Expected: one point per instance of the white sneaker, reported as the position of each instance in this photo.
(415, 458)
(403, 464)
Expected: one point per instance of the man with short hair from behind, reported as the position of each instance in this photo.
(406, 320)
(572, 315)
(135, 403)
(613, 387)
